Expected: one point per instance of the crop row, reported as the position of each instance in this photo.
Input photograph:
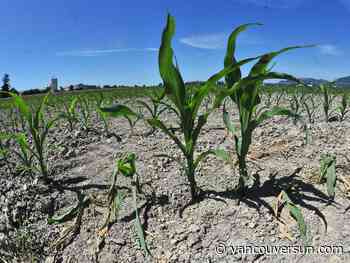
(26, 123)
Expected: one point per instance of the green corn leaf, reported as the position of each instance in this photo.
(328, 173)
(66, 216)
(3, 153)
(261, 67)
(5, 136)
(118, 110)
(139, 228)
(45, 132)
(275, 111)
(159, 124)
(331, 180)
(210, 83)
(126, 165)
(144, 104)
(39, 111)
(228, 124)
(72, 106)
(173, 82)
(171, 108)
(296, 213)
(70, 213)
(22, 107)
(220, 153)
(230, 59)
(238, 144)
(202, 120)
(116, 206)
(22, 140)
(298, 216)
(158, 96)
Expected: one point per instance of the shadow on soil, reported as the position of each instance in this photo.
(300, 192)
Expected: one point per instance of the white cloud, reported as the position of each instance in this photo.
(329, 49)
(274, 3)
(215, 41)
(101, 52)
(207, 41)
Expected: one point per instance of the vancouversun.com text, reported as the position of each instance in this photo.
(224, 249)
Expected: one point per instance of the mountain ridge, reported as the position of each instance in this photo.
(341, 82)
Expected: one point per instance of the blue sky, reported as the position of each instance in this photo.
(115, 42)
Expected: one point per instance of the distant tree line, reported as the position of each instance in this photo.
(7, 88)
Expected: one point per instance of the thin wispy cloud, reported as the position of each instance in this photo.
(273, 3)
(102, 52)
(329, 49)
(207, 41)
(215, 41)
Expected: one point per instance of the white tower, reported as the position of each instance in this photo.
(54, 84)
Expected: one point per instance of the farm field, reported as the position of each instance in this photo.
(231, 169)
(81, 161)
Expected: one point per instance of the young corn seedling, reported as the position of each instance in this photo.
(85, 112)
(245, 92)
(327, 101)
(186, 104)
(296, 101)
(283, 200)
(70, 113)
(309, 105)
(328, 173)
(155, 109)
(38, 129)
(126, 167)
(133, 121)
(24, 154)
(115, 198)
(267, 97)
(343, 108)
(278, 97)
(104, 117)
(118, 111)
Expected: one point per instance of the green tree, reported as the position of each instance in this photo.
(6, 85)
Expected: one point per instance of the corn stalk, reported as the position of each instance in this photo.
(186, 103)
(245, 92)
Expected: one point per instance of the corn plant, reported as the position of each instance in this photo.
(328, 173)
(343, 108)
(278, 97)
(126, 167)
(268, 95)
(118, 111)
(155, 109)
(283, 200)
(24, 153)
(115, 197)
(328, 99)
(296, 100)
(38, 129)
(85, 112)
(70, 113)
(309, 105)
(133, 121)
(186, 103)
(245, 92)
(104, 118)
